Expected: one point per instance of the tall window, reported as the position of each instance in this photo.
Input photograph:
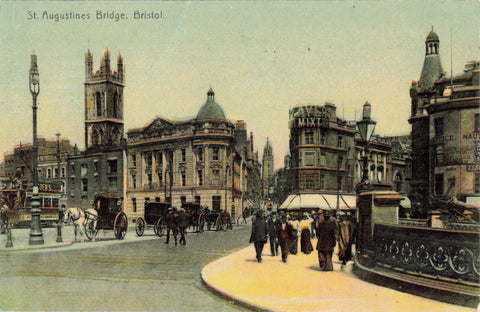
(160, 178)
(148, 159)
(476, 123)
(310, 181)
(159, 159)
(321, 181)
(197, 199)
(63, 172)
(339, 141)
(309, 137)
(134, 181)
(84, 185)
(183, 199)
(184, 178)
(134, 160)
(200, 177)
(112, 166)
(216, 202)
(309, 158)
(83, 170)
(477, 182)
(439, 127)
(49, 173)
(439, 184)
(134, 204)
(98, 102)
(200, 154)
(184, 155)
(215, 153)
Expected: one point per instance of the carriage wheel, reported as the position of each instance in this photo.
(120, 225)
(159, 227)
(90, 232)
(140, 226)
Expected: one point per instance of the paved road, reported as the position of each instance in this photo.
(140, 275)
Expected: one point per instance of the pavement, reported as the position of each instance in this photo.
(20, 239)
(299, 285)
(271, 285)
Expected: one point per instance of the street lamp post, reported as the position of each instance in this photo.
(36, 236)
(59, 181)
(366, 126)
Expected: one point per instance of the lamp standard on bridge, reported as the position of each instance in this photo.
(36, 236)
(366, 126)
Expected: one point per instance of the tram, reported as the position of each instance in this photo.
(19, 205)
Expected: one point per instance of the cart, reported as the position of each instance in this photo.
(154, 215)
(110, 216)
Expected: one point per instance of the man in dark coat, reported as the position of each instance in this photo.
(259, 234)
(285, 235)
(182, 225)
(272, 233)
(326, 242)
(171, 225)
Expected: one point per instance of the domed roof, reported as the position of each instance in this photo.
(432, 36)
(211, 110)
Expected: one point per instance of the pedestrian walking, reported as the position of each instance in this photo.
(344, 239)
(326, 242)
(313, 216)
(171, 226)
(296, 230)
(284, 235)
(259, 234)
(305, 240)
(182, 225)
(272, 233)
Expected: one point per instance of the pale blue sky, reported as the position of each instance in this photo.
(261, 58)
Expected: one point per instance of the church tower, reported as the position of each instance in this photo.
(267, 167)
(103, 103)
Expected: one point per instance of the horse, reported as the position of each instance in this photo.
(82, 219)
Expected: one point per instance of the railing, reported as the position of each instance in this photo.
(451, 255)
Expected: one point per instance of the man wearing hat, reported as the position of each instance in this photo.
(326, 241)
(182, 221)
(284, 234)
(272, 221)
(259, 234)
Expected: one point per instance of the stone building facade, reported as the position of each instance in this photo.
(194, 160)
(321, 149)
(445, 132)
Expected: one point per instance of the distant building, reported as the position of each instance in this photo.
(51, 168)
(267, 169)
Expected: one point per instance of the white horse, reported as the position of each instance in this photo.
(83, 220)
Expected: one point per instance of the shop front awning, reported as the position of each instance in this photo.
(319, 201)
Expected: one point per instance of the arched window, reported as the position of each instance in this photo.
(98, 103)
(115, 105)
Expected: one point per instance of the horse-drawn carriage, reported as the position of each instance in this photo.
(219, 220)
(196, 216)
(154, 215)
(109, 216)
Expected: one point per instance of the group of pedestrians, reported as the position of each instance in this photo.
(177, 221)
(283, 231)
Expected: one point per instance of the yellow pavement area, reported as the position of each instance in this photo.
(299, 285)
